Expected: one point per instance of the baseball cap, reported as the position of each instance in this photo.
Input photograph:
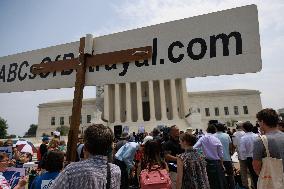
(124, 135)
(45, 138)
(146, 139)
(56, 133)
(189, 128)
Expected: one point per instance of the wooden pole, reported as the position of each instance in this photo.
(77, 104)
(80, 64)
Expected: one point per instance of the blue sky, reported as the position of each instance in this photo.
(33, 24)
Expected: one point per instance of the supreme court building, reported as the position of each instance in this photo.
(148, 104)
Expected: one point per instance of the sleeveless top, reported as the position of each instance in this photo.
(194, 170)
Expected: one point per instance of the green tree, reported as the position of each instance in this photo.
(12, 136)
(45, 135)
(32, 131)
(64, 130)
(3, 128)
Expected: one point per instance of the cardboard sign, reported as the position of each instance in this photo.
(8, 150)
(12, 175)
(220, 43)
(125, 129)
(141, 129)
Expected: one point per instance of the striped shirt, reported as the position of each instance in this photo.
(88, 174)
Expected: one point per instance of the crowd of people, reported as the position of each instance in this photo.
(164, 158)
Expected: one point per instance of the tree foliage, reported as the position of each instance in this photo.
(3, 128)
(64, 130)
(45, 135)
(12, 136)
(32, 131)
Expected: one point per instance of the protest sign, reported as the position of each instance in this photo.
(221, 43)
(13, 175)
(8, 150)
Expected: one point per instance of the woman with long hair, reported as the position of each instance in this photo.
(152, 156)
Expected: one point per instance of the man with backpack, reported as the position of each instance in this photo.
(94, 172)
(268, 119)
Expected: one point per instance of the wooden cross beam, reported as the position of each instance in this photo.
(80, 64)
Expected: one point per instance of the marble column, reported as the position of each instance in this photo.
(151, 101)
(106, 102)
(174, 99)
(163, 100)
(117, 103)
(128, 103)
(184, 93)
(139, 102)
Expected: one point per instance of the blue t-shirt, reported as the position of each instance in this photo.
(44, 181)
(225, 140)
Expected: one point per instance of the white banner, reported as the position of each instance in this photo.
(221, 43)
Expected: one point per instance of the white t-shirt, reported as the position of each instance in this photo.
(236, 137)
(246, 145)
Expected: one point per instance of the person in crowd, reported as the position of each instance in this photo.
(53, 144)
(80, 149)
(157, 135)
(196, 133)
(124, 159)
(138, 159)
(165, 135)
(255, 130)
(1, 143)
(43, 147)
(200, 133)
(281, 125)
(24, 157)
(133, 137)
(191, 166)
(246, 150)
(95, 172)
(236, 142)
(227, 150)
(16, 153)
(8, 142)
(62, 146)
(238, 134)
(56, 134)
(189, 130)
(213, 151)
(123, 140)
(53, 165)
(268, 119)
(151, 155)
(4, 163)
(229, 132)
(171, 149)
